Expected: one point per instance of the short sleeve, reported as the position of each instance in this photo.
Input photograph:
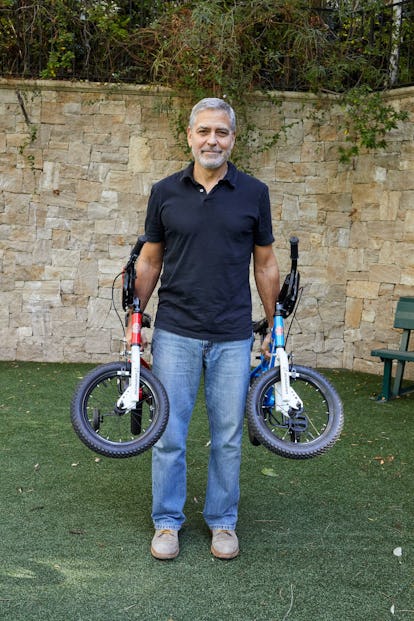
(263, 235)
(154, 229)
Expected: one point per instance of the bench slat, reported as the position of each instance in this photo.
(394, 354)
(404, 314)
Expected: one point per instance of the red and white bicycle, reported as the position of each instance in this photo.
(120, 409)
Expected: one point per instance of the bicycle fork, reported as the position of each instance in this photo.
(132, 394)
(285, 399)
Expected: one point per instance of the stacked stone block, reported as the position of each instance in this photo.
(77, 162)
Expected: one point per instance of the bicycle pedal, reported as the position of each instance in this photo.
(298, 423)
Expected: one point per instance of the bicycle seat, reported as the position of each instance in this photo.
(289, 294)
(260, 327)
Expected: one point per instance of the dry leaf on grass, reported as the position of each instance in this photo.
(269, 472)
(382, 460)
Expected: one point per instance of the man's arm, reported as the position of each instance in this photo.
(148, 269)
(266, 273)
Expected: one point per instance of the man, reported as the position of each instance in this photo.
(203, 224)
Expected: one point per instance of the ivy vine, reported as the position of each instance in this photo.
(227, 48)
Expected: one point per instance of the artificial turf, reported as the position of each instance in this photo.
(327, 539)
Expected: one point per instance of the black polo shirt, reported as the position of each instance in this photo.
(209, 238)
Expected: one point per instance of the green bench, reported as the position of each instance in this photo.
(404, 319)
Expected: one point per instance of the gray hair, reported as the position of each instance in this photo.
(213, 103)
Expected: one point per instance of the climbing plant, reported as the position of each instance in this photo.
(229, 48)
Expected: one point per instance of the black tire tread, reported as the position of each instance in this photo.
(264, 436)
(97, 443)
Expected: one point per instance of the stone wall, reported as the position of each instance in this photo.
(77, 162)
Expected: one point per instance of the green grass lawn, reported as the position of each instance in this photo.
(318, 538)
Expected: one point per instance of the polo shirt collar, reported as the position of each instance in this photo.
(230, 177)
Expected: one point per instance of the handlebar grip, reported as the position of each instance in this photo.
(136, 249)
(138, 246)
(294, 248)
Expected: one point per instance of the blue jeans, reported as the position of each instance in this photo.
(179, 362)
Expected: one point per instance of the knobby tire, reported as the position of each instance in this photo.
(302, 435)
(105, 430)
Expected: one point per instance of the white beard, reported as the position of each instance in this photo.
(211, 162)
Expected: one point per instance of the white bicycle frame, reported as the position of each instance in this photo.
(286, 399)
(131, 395)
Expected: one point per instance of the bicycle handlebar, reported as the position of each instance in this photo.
(136, 250)
(129, 274)
(294, 248)
(289, 291)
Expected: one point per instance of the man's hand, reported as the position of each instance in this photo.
(265, 346)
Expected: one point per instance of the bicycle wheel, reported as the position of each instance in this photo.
(106, 429)
(301, 433)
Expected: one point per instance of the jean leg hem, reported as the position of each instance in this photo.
(166, 526)
(222, 526)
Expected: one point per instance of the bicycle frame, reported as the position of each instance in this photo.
(282, 395)
(132, 394)
(120, 409)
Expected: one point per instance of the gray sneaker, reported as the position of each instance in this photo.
(164, 544)
(224, 543)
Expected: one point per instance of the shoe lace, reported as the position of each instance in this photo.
(166, 531)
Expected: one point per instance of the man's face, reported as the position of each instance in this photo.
(211, 139)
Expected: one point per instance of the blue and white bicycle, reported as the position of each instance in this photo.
(292, 410)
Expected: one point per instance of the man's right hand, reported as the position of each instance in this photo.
(265, 346)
